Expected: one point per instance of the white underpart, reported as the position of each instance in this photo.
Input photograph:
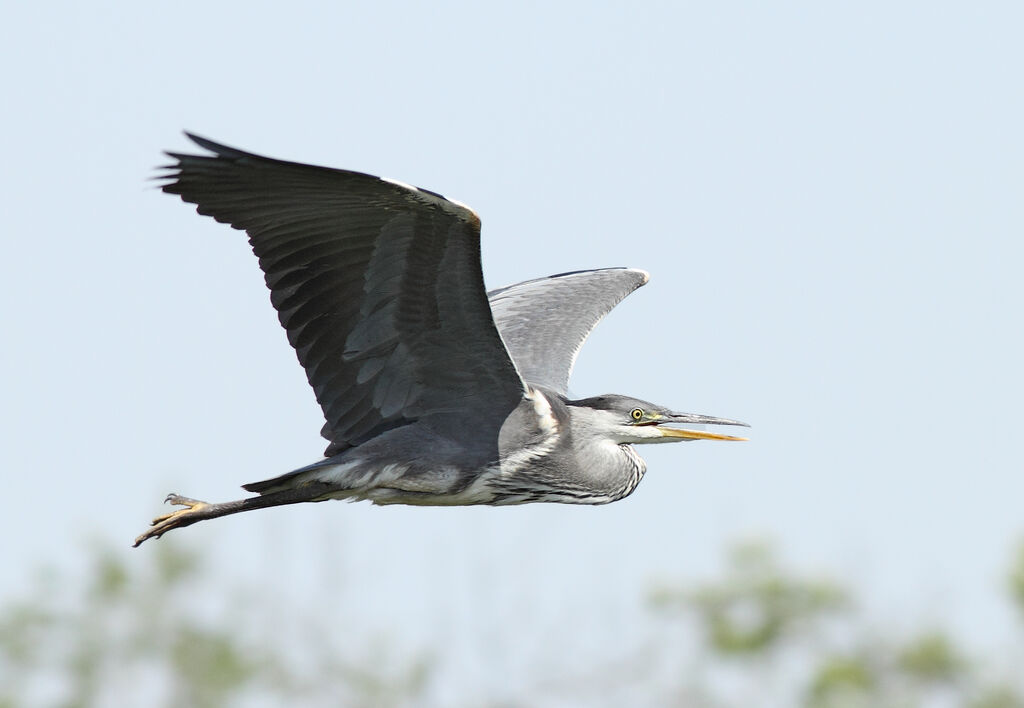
(548, 425)
(391, 484)
(343, 475)
(542, 407)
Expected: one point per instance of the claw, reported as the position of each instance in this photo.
(178, 500)
(175, 519)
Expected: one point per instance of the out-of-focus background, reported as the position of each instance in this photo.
(828, 199)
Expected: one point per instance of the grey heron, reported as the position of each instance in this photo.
(434, 391)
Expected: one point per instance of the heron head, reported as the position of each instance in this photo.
(630, 420)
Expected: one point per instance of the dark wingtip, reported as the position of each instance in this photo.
(219, 149)
(200, 140)
(170, 174)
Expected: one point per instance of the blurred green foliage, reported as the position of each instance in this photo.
(849, 676)
(931, 657)
(765, 619)
(130, 636)
(1017, 579)
(137, 633)
(756, 605)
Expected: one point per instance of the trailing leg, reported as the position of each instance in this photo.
(195, 510)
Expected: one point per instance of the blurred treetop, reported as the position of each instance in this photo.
(142, 633)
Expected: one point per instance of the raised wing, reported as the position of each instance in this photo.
(378, 285)
(544, 322)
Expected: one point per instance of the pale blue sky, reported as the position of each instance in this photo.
(828, 200)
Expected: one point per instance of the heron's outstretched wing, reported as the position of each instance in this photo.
(544, 322)
(378, 285)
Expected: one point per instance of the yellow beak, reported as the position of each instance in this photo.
(695, 434)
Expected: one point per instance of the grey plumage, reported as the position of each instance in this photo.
(433, 391)
(544, 322)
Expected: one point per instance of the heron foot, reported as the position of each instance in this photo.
(194, 511)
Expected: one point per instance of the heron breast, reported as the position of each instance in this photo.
(531, 431)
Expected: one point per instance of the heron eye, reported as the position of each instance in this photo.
(636, 414)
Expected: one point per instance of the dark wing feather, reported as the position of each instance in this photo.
(544, 322)
(378, 285)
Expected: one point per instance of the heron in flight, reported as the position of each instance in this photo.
(435, 391)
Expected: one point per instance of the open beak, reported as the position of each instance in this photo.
(684, 434)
